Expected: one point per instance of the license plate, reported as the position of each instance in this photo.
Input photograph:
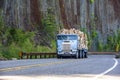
(66, 53)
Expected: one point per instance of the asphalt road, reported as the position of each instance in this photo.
(95, 67)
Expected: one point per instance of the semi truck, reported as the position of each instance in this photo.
(69, 45)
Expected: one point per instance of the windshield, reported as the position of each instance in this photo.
(67, 37)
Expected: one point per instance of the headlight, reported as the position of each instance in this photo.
(60, 52)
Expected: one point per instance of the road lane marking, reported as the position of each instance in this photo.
(107, 71)
(34, 65)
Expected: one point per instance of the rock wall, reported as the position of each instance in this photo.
(101, 15)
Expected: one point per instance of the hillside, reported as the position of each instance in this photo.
(100, 19)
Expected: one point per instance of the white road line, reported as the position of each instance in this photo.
(107, 71)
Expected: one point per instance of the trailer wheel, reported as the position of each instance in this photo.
(85, 55)
(80, 53)
(77, 56)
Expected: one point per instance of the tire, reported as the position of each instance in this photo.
(58, 56)
(80, 53)
(85, 55)
(77, 56)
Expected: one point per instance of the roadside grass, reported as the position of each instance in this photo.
(13, 50)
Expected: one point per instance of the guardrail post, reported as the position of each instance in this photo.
(49, 56)
(27, 56)
(40, 56)
(54, 55)
(44, 56)
(30, 56)
(35, 56)
(21, 55)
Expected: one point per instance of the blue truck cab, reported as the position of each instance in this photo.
(67, 45)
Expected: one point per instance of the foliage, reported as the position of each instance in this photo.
(50, 25)
(93, 33)
(92, 1)
(83, 30)
(21, 41)
(13, 40)
(25, 44)
(10, 51)
(88, 36)
(100, 46)
(117, 48)
(47, 34)
(46, 49)
(114, 41)
(89, 40)
(1, 55)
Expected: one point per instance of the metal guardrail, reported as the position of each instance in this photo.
(37, 55)
(24, 55)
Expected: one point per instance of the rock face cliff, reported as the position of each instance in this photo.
(103, 16)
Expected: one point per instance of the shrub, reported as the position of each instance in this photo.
(100, 46)
(22, 42)
(92, 1)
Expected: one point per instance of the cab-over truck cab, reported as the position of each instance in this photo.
(68, 45)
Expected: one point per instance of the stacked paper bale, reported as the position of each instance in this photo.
(83, 37)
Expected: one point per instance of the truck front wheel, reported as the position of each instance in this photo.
(77, 55)
(58, 56)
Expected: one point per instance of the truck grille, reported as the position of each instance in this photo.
(66, 47)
